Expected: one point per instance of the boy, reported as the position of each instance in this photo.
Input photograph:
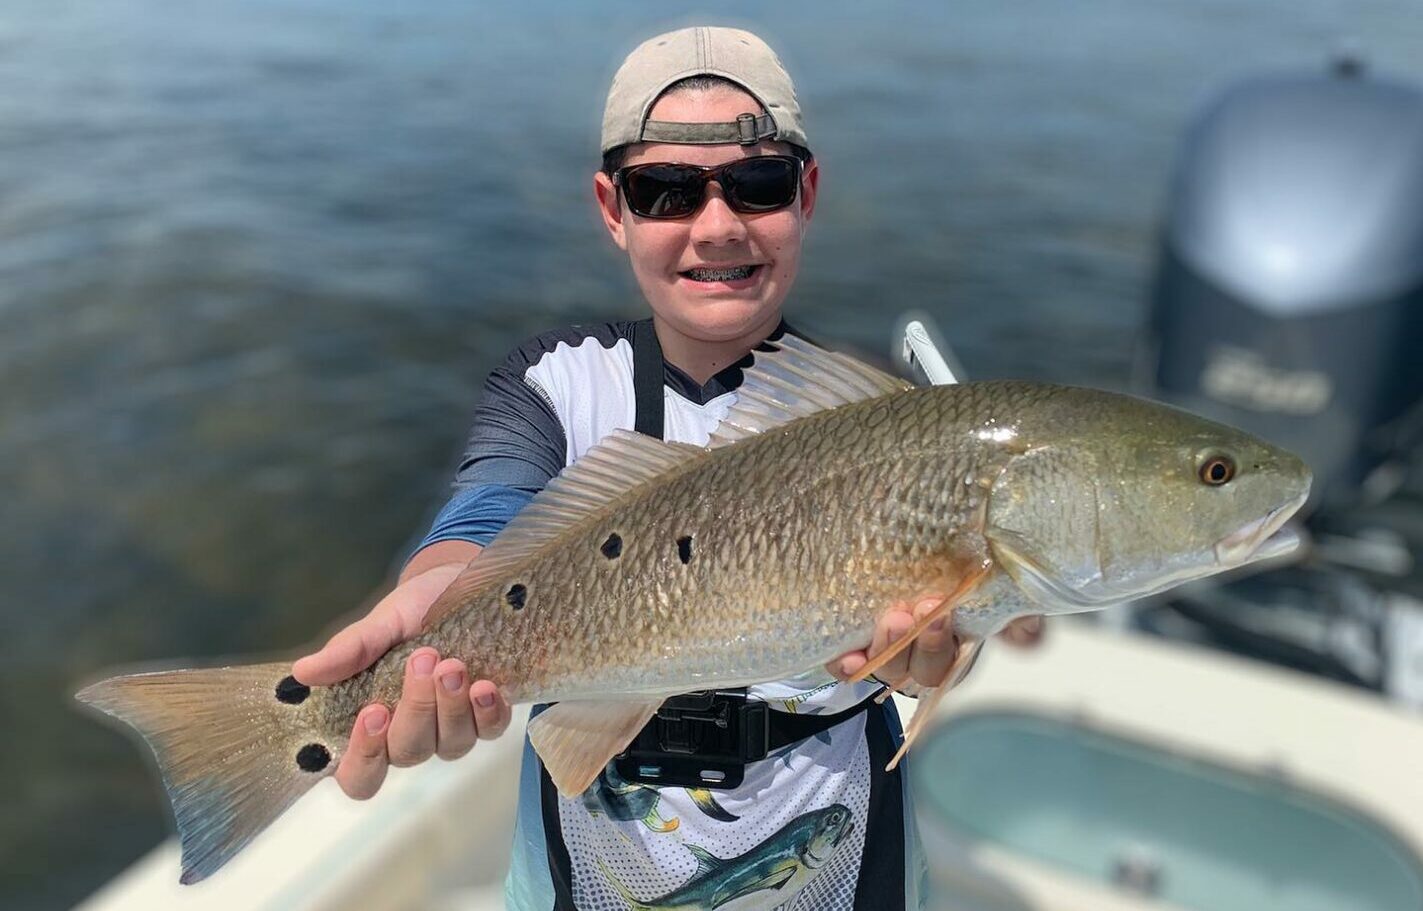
(708, 184)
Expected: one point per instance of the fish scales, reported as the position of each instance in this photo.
(850, 510)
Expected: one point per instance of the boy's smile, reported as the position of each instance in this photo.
(716, 276)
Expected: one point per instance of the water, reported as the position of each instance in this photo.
(255, 258)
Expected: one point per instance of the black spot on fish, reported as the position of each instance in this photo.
(613, 547)
(313, 757)
(516, 595)
(291, 692)
(684, 548)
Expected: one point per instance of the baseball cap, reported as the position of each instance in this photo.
(730, 53)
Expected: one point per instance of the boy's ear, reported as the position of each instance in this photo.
(809, 186)
(610, 207)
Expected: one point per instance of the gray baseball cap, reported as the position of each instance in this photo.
(703, 51)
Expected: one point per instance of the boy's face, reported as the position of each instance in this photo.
(664, 251)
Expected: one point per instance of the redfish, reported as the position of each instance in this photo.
(830, 492)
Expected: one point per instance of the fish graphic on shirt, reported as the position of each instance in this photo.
(782, 865)
(615, 798)
(794, 703)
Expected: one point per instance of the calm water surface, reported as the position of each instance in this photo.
(256, 257)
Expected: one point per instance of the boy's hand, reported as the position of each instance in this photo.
(928, 659)
(439, 711)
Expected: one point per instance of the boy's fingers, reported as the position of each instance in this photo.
(491, 712)
(413, 732)
(349, 652)
(456, 733)
(846, 665)
(363, 767)
(1025, 631)
(891, 628)
(933, 653)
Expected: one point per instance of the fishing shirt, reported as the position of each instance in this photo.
(816, 826)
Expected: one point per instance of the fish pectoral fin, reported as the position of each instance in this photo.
(576, 740)
(962, 591)
(774, 879)
(929, 696)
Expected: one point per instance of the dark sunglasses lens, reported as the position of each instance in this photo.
(760, 184)
(663, 191)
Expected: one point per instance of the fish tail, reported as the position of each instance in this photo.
(706, 802)
(632, 901)
(234, 745)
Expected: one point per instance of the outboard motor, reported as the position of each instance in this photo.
(1289, 295)
(1288, 301)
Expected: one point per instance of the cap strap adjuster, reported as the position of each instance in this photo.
(746, 124)
(746, 129)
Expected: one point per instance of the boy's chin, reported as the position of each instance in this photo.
(721, 320)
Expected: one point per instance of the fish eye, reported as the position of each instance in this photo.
(1217, 470)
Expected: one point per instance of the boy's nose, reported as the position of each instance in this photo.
(715, 223)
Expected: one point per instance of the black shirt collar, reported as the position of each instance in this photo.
(722, 382)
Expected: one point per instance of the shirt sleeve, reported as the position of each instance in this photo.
(515, 446)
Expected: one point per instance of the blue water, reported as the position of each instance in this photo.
(256, 256)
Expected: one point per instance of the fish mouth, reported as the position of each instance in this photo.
(1265, 538)
(1261, 539)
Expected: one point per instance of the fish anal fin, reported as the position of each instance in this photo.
(575, 740)
(929, 697)
(621, 461)
(965, 587)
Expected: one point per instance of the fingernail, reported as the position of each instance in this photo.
(485, 699)
(423, 664)
(375, 721)
(938, 625)
(452, 682)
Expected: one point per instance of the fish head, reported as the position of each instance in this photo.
(1119, 498)
(831, 826)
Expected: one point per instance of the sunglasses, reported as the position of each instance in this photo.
(764, 183)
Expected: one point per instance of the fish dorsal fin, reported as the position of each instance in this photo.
(794, 379)
(621, 461)
(707, 862)
(576, 740)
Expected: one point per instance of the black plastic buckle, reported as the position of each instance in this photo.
(698, 740)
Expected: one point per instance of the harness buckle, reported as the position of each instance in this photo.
(699, 740)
